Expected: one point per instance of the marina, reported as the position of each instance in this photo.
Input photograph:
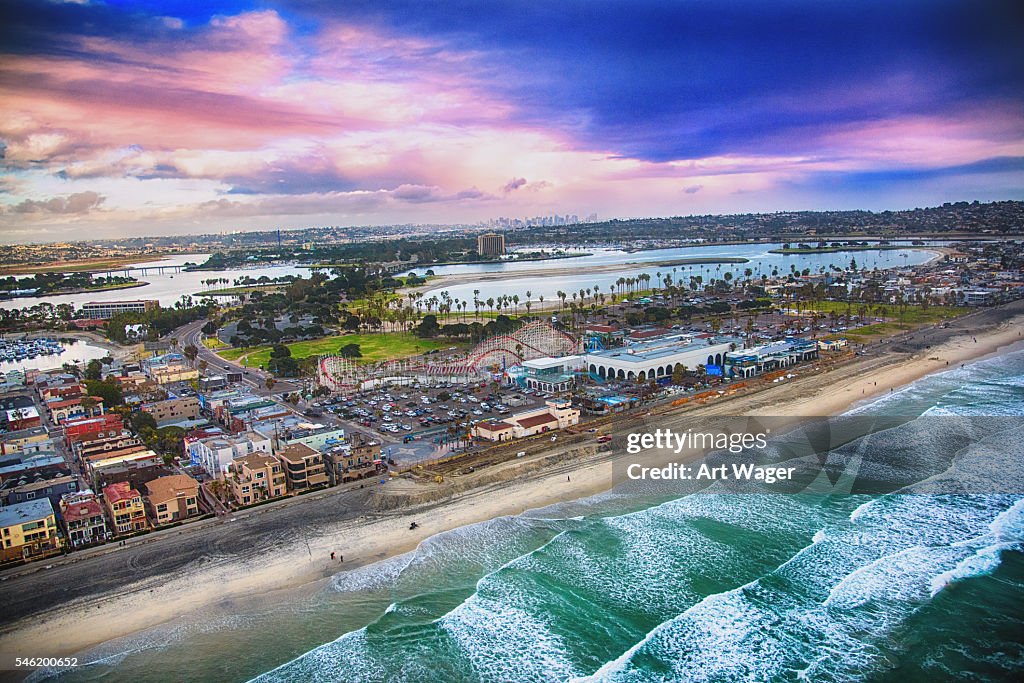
(46, 353)
(28, 349)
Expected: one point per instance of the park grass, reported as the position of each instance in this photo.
(213, 343)
(912, 314)
(374, 348)
(233, 354)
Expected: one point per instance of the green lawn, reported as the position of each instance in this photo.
(233, 354)
(875, 330)
(213, 343)
(911, 314)
(374, 347)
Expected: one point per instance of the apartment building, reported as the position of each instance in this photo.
(54, 489)
(83, 519)
(303, 467)
(28, 530)
(172, 498)
(125, 508)
(215, 453)
(256, 477)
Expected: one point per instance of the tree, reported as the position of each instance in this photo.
(110, 392)
(269, 383)
(678, 373)
(209, 328)
(350, 351)
(428, 327)
(94, 370)
(140, 420)
(191, 352)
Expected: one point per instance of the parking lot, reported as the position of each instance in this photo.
(428, 419)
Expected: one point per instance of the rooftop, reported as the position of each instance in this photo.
(174, 486)
(37, 485)
(257, 460)
(122, 490)
(82, 510)
(658, 348)
(536, 420)
(29, 511)
(551, 362)
(296, 452)
(493, 426)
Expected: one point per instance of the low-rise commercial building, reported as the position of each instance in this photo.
(104, 310)
(173, 410)
(658, 357)
(772, 356)
(555, 414)
(552, 375)
(493, 430)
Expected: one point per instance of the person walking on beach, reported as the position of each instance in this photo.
(332, 555)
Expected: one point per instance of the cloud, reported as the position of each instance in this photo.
(513, 185)
(401, 110)
(77, 204)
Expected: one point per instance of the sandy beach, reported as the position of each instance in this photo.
(158, 579)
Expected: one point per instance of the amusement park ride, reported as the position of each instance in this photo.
(536, 339)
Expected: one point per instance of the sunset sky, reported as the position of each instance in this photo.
(141, 118)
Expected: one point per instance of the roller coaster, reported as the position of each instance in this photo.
(535, 339)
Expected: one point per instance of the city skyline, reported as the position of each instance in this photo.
(167, 118)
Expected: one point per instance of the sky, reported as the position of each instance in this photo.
(183, 117)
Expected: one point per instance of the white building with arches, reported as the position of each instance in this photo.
(658, 358)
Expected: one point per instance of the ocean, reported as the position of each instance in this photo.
(906, 578)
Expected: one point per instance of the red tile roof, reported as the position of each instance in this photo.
(536, 420)
(83, 510)
(119, 491)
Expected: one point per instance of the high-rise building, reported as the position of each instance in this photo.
(490, 244)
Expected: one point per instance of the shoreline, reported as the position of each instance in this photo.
(367, 536)
(439, 282)
(68, 292)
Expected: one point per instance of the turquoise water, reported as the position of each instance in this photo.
(912, 585)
